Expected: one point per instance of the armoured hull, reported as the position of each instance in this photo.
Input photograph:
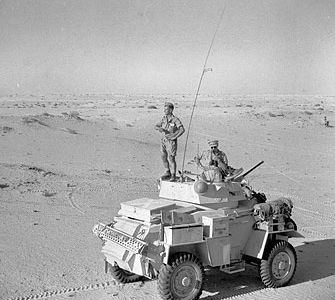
(147, 231)
(196, 224)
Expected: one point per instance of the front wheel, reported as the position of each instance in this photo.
(182, 279)
(279, 267)
(123, 276)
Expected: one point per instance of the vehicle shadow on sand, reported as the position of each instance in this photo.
(314, 262)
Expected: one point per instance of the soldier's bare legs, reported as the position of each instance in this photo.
(166, 165)
(173, 167)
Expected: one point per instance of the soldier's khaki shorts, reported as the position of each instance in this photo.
(169, 147)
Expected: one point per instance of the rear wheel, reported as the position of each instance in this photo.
(182, 279)
(279, 267)
(290, 224)
(123, 276)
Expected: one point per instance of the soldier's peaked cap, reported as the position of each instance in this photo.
(169, 104)
(213, 143)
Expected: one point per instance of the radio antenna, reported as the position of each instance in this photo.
(204, 70)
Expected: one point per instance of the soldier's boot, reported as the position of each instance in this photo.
(166, 175)
(173, 177)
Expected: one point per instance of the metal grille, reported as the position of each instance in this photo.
(115, 236)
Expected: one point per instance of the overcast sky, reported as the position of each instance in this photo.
(152, 47)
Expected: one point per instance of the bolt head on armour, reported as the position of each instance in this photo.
(200, 187)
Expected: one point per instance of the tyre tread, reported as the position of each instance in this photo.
(166, 271)
(264, 267)
(120, 276)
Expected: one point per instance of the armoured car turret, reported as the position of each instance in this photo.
(195, 224)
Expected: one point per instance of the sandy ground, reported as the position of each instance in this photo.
(68, 161)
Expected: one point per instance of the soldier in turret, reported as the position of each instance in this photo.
(215, 161)
(171, 129)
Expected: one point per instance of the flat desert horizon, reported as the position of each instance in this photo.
(68, 161)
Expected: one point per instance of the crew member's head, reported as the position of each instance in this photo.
(168, 108)
(213, 144)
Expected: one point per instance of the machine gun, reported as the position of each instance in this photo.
(251, 169)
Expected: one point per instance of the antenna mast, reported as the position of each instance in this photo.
(204, 70)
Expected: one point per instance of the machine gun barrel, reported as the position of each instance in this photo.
(251, 169)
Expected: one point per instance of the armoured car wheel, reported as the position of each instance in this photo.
(279, 267)
(122, 275)
(182, 279)
(290, 224)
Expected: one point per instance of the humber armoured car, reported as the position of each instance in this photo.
(196, 224)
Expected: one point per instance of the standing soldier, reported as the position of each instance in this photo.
(171, 128)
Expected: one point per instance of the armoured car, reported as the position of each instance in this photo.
(195, 224)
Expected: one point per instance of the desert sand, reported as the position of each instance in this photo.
(68, 161)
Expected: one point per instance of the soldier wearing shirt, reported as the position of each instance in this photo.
(171, 128)
(213, 157)
(215, 163)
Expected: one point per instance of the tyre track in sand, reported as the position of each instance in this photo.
(54, 293)
(73, 203)
(305, 291)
